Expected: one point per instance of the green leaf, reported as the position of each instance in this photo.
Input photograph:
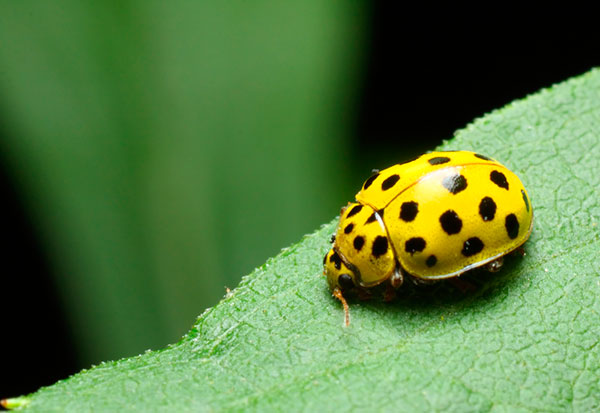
(526, 339)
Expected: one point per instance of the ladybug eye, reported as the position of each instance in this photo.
(345, 281)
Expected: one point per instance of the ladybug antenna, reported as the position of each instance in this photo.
(337, 293)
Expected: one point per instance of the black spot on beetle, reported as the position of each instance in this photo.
(369, 181)
(358, 242)
(332, 239)
(487, 208)
(480, 156)
(439, 160)
(355, 210)
(431, 261)
(451, 223)
(455, 183)
(512, 226)
(409, 211)
(525, 199)
(413, 245)
(336, 260)
(390, 182)
(348, 228)
(380, 246)
(499, 179)
(472, 246)
(345, 281)
(373, 216)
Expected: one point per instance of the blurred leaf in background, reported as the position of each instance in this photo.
(152, 142)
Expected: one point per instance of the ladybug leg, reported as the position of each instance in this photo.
(389, 294)
(495, 265)
(397, 278)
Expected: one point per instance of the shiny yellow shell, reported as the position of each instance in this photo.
(435, 217)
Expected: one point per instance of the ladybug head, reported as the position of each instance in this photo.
(338, 272)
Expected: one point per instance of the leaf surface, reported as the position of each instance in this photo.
(526, 339)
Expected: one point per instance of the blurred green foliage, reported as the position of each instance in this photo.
(164, 149)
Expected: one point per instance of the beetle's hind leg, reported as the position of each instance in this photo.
(397, 278)
(396, 281)
(494, 266)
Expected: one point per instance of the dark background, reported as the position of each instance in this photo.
(437, 86)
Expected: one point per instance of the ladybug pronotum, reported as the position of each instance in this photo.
(432, 218)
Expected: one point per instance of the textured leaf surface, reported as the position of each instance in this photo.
(525, 339)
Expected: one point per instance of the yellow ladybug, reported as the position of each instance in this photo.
(435, 217)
